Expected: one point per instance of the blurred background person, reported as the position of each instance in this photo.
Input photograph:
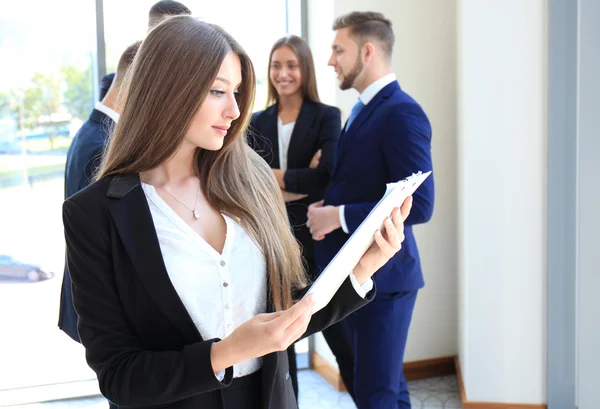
(158, 12)
(387, 138)
(83, 158)
(298, 136)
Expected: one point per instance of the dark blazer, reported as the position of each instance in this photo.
(138, 336)
(105, 84)
(318, 126)
(83, 158)
(389, 140)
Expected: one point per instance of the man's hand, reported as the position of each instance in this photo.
(322, 220)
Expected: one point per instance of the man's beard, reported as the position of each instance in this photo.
(348, 81)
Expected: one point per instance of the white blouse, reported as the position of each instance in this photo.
(284, 135)
(219, 291)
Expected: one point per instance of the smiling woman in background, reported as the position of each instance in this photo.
(295, 130)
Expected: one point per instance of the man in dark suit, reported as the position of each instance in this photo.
(387, 137)
(158, 12)
(83, 158)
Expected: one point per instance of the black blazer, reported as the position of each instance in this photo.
(83, 158)
(318, 126)
(138, 336)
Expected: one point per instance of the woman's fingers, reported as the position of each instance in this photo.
(392, 234)
(290, 315)
(298, 327)
(406, 206)
(289, 325)
(384, 245)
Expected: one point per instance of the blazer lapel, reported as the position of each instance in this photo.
(134, 225)
(348, 134)
(272, 135)
(305, 119)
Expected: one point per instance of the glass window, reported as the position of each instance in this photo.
(45, 95)
(246, 25)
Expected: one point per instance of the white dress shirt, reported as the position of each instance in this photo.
(107, 111)
(219, 291)
(284, 134)
(366, 96)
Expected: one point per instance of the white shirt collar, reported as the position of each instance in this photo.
(107, 111)
(369, 93)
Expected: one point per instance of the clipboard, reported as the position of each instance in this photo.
(340, 267)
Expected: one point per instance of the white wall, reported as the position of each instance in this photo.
(588, 305)
(502, 154)
(425, 63)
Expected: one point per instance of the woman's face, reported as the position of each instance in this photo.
(284, 72)
(212, 121)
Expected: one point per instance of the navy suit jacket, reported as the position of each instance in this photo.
(318, 126)
(83, 158)
(105, 84)
(389, 140)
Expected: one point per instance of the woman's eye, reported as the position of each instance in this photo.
(217, 92)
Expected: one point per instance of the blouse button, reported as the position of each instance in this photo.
(222, 263)
(225, 284)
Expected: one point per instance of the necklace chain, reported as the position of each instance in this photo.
(194, 211)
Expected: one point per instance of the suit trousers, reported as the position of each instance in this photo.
(378, 334)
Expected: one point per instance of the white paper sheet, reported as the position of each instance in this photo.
(357, 245)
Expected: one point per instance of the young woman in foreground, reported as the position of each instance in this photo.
(182, 260)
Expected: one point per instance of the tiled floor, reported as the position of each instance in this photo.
(434, 393)
(315, 393)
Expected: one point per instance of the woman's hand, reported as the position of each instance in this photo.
(387, 243)
(316, 159)
(292, 197)
(261, 335)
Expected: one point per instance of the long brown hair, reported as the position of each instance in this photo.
(166, 85)
(307, 69)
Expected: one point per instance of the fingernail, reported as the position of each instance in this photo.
(378, 233)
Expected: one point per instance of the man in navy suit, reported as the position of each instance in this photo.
(158, 12)
(83, 158)
(387, 137)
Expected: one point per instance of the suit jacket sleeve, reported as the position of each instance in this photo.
(253, 130)
(406, 149)
(91, 166)
(128, 374)
(345, 301)
(313, 181)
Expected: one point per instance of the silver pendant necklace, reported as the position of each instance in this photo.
(194, 211)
